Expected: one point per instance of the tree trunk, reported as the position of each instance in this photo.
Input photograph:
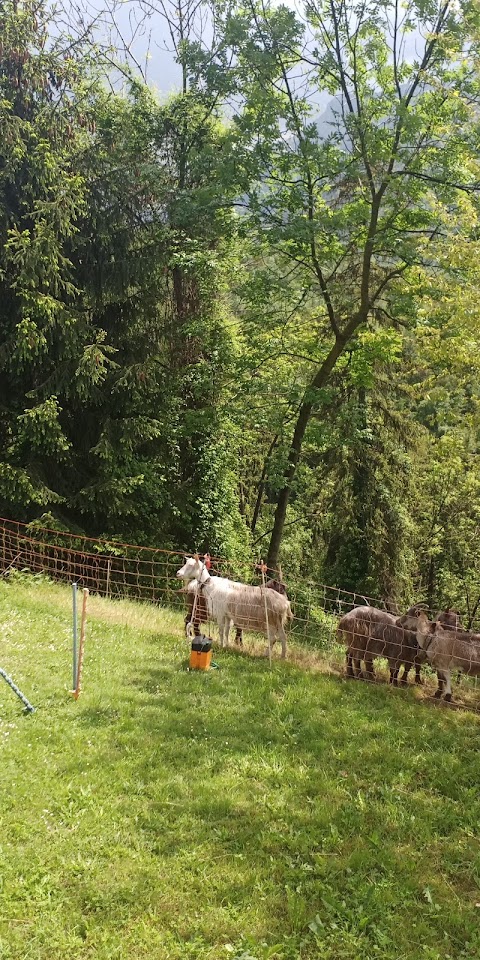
(303, 418)
(472, 615)
(431, 584)
(261, 484)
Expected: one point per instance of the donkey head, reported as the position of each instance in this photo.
(449, 618)
(192, 569)
(425, 633)
(410, 618)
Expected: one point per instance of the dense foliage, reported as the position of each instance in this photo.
(244, 317)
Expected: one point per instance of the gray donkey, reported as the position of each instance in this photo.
(447, 650)
(369, 633)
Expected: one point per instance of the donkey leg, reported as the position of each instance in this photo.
(393, 679)
(282, 636)
(448, 692)
(349, 663)
(370, 673)
(223, 628)
(271, 640)
(406, 670)
(357, 663)
(441, 684)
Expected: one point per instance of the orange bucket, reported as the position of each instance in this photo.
(201, 654)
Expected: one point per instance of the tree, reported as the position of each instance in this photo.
(445, 394)
(117, 238)
(45, 123)
(357, 202)
(447, 520)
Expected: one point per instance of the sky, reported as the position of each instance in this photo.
(140, 25)
(152, 46)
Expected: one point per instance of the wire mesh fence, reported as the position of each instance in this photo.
(107, 568)
(341, 631)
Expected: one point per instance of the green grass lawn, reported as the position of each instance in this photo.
(240, 813)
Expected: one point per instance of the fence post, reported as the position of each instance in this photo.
(16, 690)
(263, 567)
(82, 643)
(74, 614)
(109, 565)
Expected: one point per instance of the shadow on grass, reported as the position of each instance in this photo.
(274, 797)
(290, 807)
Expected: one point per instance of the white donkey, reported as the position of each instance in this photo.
(251, 608)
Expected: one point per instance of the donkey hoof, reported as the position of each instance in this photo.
(448, 697)
(437, 694)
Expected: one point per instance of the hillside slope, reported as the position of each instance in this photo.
(242, 813)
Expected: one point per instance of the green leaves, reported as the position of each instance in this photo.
(200, 316)
(40, 433)
(94, 365)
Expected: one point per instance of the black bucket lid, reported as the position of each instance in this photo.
(201, 645)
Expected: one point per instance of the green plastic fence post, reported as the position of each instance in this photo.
(17, 690)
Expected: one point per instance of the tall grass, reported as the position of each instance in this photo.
(241, 813)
